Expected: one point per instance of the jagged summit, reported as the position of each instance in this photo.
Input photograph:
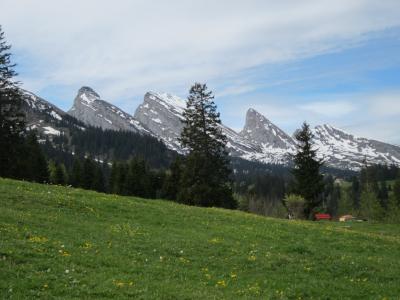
(262, 132)
(87, 94)
(90, 109)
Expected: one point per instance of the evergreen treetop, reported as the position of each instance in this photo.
(202, 131)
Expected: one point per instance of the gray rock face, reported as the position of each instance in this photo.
(260, 131)
(42, 115)
(273, 143)
(90, 109)
(346, 151)
(161, 114)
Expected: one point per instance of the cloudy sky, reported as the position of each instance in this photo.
(334, 62)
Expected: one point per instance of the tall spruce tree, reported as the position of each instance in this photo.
(11, 118)
(383, 194)
(306, 171)
(98, 183)
(206, 173)
(355, 191)
(76, 173)
(172, 181)
(89, 172)
(396, 190)
(34, 161)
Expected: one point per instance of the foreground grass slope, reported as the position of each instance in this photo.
(70, 243)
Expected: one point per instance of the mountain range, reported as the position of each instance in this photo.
(160, 116)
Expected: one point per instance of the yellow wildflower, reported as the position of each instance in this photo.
(38, 239)
(252, 258)
(221, 283)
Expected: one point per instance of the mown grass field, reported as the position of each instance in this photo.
(58, 242)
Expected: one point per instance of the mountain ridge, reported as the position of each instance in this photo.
(160, 115)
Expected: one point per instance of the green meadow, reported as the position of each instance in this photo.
(60, 242)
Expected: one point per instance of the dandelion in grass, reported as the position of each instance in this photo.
(87, 245)
(64, 253)
(38, 239)
(252, 258)
(221, 283)
(214, 241)
(184, 260)
(118, 283)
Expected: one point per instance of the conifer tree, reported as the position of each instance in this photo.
(396, 190)
(355, 192)
(35, 164)
(11, 118)
(172, 181)
(393, 211)
(76, 173)
(383, 194)
(122, 172)
(113, 180)
(134, 178)
(346, 203)
(306, 171)
(52, 170)
(88, 174)
(61, 174)
(206, 173)
(370, 207)
(98, 180)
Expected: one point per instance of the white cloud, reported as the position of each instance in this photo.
(128, 47)
(330, 109)
(386, 104)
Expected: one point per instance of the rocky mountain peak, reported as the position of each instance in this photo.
(87, 95)
(161, 114)
(262, 132)
(91, 109)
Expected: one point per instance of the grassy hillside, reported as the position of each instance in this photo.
(70, 243)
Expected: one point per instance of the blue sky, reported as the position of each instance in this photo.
(322, 61)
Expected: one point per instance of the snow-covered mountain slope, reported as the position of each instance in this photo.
(274, 144)
(161, 114)
(90, 109)
(41, 115)
(346, 151)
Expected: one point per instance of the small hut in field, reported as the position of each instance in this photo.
(346, 218)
